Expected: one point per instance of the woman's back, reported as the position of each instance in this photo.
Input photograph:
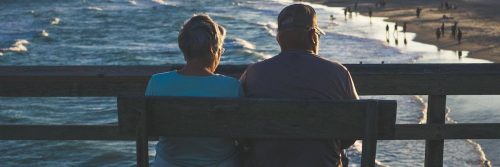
(173, 151)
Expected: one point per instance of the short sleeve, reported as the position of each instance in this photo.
(149, 89)
(351, 93)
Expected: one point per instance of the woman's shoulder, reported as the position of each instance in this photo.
(226, 79)
(164, 74)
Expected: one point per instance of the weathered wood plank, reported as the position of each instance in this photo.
(369, 151)
(376, 79)
(218, 117)
(112, 132)
(436, 114)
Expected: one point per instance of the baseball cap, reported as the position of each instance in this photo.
(298, 16)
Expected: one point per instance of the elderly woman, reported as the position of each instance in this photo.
(200, 40)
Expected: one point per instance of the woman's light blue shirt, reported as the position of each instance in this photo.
(194, 151)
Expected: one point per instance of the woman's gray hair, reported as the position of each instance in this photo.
(201, 37)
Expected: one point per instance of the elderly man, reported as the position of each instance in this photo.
(298, 72)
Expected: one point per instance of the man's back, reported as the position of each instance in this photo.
(302, 75)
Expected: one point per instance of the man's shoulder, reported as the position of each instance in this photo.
(329, 64)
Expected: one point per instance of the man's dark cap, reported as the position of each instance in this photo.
(298, 16)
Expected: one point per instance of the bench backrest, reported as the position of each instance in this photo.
(254, 118)
(257, 118)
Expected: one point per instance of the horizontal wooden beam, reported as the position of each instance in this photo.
(370, 79)
(62, 132)
(111, 132)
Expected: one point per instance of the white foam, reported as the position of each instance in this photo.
(160, 2)
(271, 27)
(132, 2)
(239, 43)
(94, 8)
(55, 21)
(358, 146)
(1, 53)
(44, 33)
(18, 46)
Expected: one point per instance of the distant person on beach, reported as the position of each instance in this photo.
(298, 72)
(454, 29)
(404, 27)
(442, 29)
(345, 12)
(370, 13)
(459, 36)
(438, 33)
(418, 11)
(200, 40)
(387, 28)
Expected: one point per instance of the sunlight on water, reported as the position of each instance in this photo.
(129, 32)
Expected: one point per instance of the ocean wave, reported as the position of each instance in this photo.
(239, 43)
(19, 46)
(271, 28)
(95, 8)
(132, 2)
(55, 21)
(44, 33)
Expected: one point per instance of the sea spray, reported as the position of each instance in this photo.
(271, 28)
(239, 43)
(55, 21)
(19, 46)
(95, 8)
(44, 33)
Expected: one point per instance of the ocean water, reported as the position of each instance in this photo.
(121, 32)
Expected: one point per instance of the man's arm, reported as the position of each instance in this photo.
(350, 94)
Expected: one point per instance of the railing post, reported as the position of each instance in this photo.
(369, 149)
(436, 113)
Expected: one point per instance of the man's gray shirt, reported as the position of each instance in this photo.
(300, 75)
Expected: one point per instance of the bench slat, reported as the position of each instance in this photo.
(219, 117)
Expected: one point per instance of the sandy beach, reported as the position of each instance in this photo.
(478, 20)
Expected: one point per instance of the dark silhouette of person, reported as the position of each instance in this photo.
(405, 42)
(419, 10)
(350, 11)
(387, 31)
(459, 54)
(404, 27)
(459, 36)
(442, 29)
(370, 13)
(331, 17)
(396, 41)
(345, 12)
(438, 33)
(453, 31)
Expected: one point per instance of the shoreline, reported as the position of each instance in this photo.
(478, 20)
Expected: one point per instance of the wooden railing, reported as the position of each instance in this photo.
(434, 80)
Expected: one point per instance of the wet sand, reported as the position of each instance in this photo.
(479, 21)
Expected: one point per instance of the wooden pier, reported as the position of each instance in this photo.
(434, 80)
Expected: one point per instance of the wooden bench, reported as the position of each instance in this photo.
(368, 120)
